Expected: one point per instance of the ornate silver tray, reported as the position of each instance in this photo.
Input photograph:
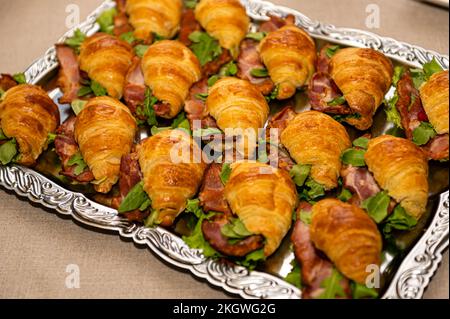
(411, 277)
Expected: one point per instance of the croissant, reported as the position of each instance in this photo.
(263, 198)
(401, 168)
(348, 236)
(237, 104)
(290, 57)
(168, 180)
(105, 131)
(106, 59)
(154, 16)
(170, 69)
(434, 95)
(28, 114)
(364, 76)
(316, 139)
(225, 20)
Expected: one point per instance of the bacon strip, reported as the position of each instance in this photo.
(130, 175)
(134, 89)
(360, 182)
(409, 105)
(7, 82)
(195, 108)
(121, 24)
(279, 122)
(188, 25)
(69, 73)
(315, 268)
(322, 88)
(214, 67)
(212, 199)
(250, 59)
(66, 147)
(276, 23)
(437, 148)
(212, 191)
(212, 232)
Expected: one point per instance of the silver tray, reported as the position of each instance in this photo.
(411, 277)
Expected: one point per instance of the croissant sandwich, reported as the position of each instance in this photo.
(237, 104)
(161, 17)
(263, 198)
(316, 139)
(290, 56)
(364, 76)
(106, 59)
(170, 177)
(170, 69)
(225, 20)
(105, 132)
(348, 236)
(401, 168)
(27, 116)
(434, 94)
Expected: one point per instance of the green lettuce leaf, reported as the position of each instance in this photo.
(78, 105)
(106, 20)
(295, 276)
(190, 4)
(399, 220)
(299, 173)
(235, 229)
(77, 160)
(229, 69)
(363, 292)
(377, 206)
(8, 151)
(257, 36)
(332, 50)
(332, 286)
(260, 73)
(337, 101)
(136, 198)
(226, 173)
(205, 132)
(252, 260)
(20, 78)
(345, 195)
(423, 133)
(361, 142)
(197, 241)
(354, 157)
(140, 49)
(205, 47)
(128, 37)
(76, 40)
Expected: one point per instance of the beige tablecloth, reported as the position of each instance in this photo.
(36, 245)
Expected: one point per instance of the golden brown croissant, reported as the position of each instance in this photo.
(168, 180)
(401, 168)
(105, 131)
(316, 139)
(28, 114)
(154, 16)
(170, 68)
(434, 95)
(263, 198)
(237, 104)
(225, 20)
(290, 57)
(106, 59)
(348, 236)
(364, 76)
